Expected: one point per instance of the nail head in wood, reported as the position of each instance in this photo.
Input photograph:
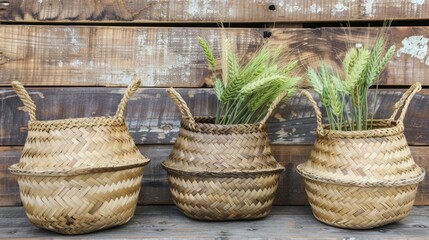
(267, 34)
(272, 7)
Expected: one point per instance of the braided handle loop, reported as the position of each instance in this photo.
(404, 102)
(272, 108)
(187, 117)
(26, 99)
(319, 128)
(132, 88)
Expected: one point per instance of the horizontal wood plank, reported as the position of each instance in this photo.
(409, 64)
(144, 11)
(153, 119)
(166, 222)
(108, 56)
(163, 57)
(155, 185)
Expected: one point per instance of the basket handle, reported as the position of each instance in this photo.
(272, 107)
(319, 128)
(187, 117)
(132, 88)
(404, 102)
(26, 99)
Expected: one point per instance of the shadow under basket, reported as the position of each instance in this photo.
(362, 179)
(221, 172)
(79, 175)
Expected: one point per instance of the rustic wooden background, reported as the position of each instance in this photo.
(77, 56)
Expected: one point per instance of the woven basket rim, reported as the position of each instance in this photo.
(229, 173)
(68, 121)
(392, 127)
(81, 171)
(202, 126)
(380, 183)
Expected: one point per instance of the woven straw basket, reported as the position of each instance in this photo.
(79, 175)
(362, 179)
(221, 172)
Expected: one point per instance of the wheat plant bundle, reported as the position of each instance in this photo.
(245, 89)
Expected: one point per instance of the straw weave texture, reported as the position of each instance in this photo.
(79, 175)
(221, 172)
(82, 203)
(224, 198)
(362, 179)
(355, 207)
(55, 149)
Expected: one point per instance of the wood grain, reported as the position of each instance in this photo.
(155, 186)
(148, 11)
(153, 119)
(163, 57)
(166, 222)
(88, 56)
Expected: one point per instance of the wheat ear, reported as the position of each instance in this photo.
(207, 53)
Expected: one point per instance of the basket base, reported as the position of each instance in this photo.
(354, 227)
(225, 217)
(83, 203)
(86, 227)
(355, 207)
(224, 198)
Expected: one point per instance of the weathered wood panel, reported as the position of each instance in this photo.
(110, 56)
(76, 56)
(155, 186)
(409, 64)
(166, 222)
(144, 11)
(9, 192)
(153, 119)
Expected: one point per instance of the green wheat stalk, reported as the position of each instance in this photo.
(246, 89)
(207, 53)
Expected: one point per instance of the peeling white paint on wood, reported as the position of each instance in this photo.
(417, 2)
(339, 9)
(199, 8)
(163, 60)
(293, 8)
(279, 117)
(414, 46)
(76, 63)
(314, 8)
(73, 38)
(280, 135)
(367, 8)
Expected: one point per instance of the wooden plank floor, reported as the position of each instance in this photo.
(166, 222)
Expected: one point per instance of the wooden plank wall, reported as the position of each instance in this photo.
(77, 56)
